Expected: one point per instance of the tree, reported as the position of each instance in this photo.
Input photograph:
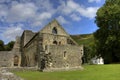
(89, 52)
(107, 37)
(1, 45)
(9, 46)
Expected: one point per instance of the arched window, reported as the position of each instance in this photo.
(55, 42)
(54, 30)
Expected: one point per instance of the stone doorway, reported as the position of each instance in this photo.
(16, 60)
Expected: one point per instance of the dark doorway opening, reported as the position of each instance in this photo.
(16, 60)
(55, 42)
(42, 64)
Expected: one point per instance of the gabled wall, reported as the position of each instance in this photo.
(54, 24)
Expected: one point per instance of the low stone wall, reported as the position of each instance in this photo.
(20, 69)
(6, 75)
(63, 69)
(45, 70)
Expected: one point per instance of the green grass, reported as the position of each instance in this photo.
(90, 72)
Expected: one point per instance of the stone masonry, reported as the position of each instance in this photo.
(48, 49)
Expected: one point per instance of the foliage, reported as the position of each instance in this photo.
(89, 47)
(1, 45)
(9, 46)
(107, 37)
(89, 52)
(6, 47)
(90, 72)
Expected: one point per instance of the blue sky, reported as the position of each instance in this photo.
(76, 16)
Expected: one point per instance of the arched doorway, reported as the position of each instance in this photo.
(16, 60)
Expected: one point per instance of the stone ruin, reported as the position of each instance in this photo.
(51, 48)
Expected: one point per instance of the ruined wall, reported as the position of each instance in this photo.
(16, 53)
(16, 58)
(26, 37)
(11, 58)
(31, 52)
(51, 47)
(5, 59)
(64, 56)
(50, 39)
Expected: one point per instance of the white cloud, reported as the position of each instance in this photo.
(75, 17)
(68, 7)
(44, 5)
(35, 12)
(88, 12)
(97, 1)
(21, 12)
(11, 32)
(39, 11)
(72, 7)
(39, 19)
(36, 23)
(44, 15)
(62, 20)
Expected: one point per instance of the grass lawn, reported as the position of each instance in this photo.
(90, 72)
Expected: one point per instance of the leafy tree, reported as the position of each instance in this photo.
(107, 37)
(1, 45)
(89, 53)
(9, 46)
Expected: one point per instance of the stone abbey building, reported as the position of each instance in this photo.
(50, 48)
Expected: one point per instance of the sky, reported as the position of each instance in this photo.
(75, 16)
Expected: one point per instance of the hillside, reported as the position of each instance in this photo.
(84, 39)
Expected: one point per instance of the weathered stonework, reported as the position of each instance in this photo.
(11, 58)
(50, 48)
(6, 75)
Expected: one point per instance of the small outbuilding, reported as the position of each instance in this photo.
(97, 60)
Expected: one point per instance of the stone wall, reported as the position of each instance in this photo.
(30, 52)
(26, 37)
(5, 59)
(50, 39)
(54, 24)
(64, 56)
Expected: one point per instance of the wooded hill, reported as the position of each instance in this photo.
(87, 40)
(84, 39)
